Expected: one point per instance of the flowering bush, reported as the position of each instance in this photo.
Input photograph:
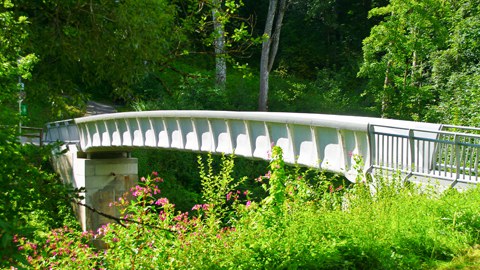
(295, 226)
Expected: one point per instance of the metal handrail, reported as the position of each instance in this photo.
(34, 133)
(444, 155)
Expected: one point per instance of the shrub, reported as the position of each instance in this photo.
(297, 225)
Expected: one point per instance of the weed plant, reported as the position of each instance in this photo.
(296, 226)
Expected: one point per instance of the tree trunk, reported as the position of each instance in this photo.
(219, 44)
(276, 11)
(385, 89)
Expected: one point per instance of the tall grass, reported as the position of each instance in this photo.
(296, 226)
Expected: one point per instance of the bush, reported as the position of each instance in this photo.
(33, 200)
(297, 225)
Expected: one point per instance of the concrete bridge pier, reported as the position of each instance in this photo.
(105, 176)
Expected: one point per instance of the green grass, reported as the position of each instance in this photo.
(296, 226)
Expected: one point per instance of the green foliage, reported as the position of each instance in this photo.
(397, 56)
(394, 228)
(179, 171)
(15, 63)
(421, 61)
(26, 178)
(101, 48)
(456, 75)
(332, 92)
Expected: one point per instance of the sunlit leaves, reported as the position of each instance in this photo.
(397, 55)
(456, 75)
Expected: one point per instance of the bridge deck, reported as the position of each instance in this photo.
(328, 142)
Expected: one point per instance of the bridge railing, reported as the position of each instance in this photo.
(64, 131)
(446, 155)
(329, 142)
(318, 141)
(32, 135)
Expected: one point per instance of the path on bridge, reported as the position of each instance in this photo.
(94, 108)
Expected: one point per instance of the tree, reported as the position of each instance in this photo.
(273, 26)
(229, 35)
(219, 45)
(15, 61)
(24, 208)
(455, 71)
(99, 47)
(397, 55)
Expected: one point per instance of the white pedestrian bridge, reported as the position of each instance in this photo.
(96, 148)
(449, 154)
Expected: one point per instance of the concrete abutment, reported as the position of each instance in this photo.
(104, 177)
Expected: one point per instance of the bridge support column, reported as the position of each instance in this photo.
(105, 177)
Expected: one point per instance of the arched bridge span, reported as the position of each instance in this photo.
(331, 142)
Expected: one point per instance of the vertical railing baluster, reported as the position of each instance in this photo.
(402, 160)
(438, 161)
(396, 154)
(412, 150)
(457, 159)
(476, 163)
(470, 160)
(429, 157)
(387, 137)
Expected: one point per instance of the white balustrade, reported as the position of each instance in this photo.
(327, 142)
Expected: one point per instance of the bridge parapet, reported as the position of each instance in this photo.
(328, 142)
(63, 131)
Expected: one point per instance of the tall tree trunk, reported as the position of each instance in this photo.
(219, 44)
(276, 11)
(385, 95)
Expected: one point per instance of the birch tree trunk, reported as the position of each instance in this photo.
(276, 11)
(219, 44)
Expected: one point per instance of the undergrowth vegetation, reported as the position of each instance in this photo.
(296, 225)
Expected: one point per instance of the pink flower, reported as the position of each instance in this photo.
(162, 216)
(229, 196)
(248, 203)
(180, 217)
(155, 174)
(162, 201)
(201, 206)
